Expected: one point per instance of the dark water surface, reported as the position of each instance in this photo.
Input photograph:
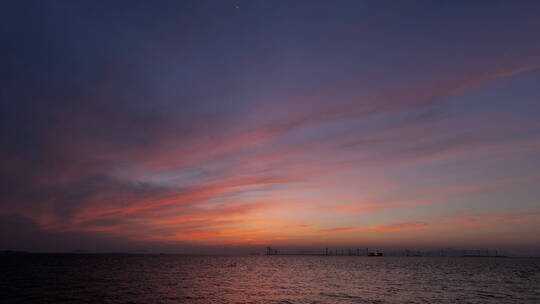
(40, 278)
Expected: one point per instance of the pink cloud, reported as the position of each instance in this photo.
(465, 222)
(368, 207)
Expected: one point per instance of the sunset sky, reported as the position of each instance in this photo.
(189, 126)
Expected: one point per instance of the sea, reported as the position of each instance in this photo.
(125, 278)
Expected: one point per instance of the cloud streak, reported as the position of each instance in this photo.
(397, 227)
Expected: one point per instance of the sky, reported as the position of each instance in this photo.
(215, 126)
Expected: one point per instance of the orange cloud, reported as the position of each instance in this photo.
(403, 226)
(336, 229)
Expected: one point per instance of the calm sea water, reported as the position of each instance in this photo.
(266, 279)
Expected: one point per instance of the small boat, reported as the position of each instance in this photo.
(375, 253)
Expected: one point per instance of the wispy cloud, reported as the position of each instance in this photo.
(401, 226)
(336, 229)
